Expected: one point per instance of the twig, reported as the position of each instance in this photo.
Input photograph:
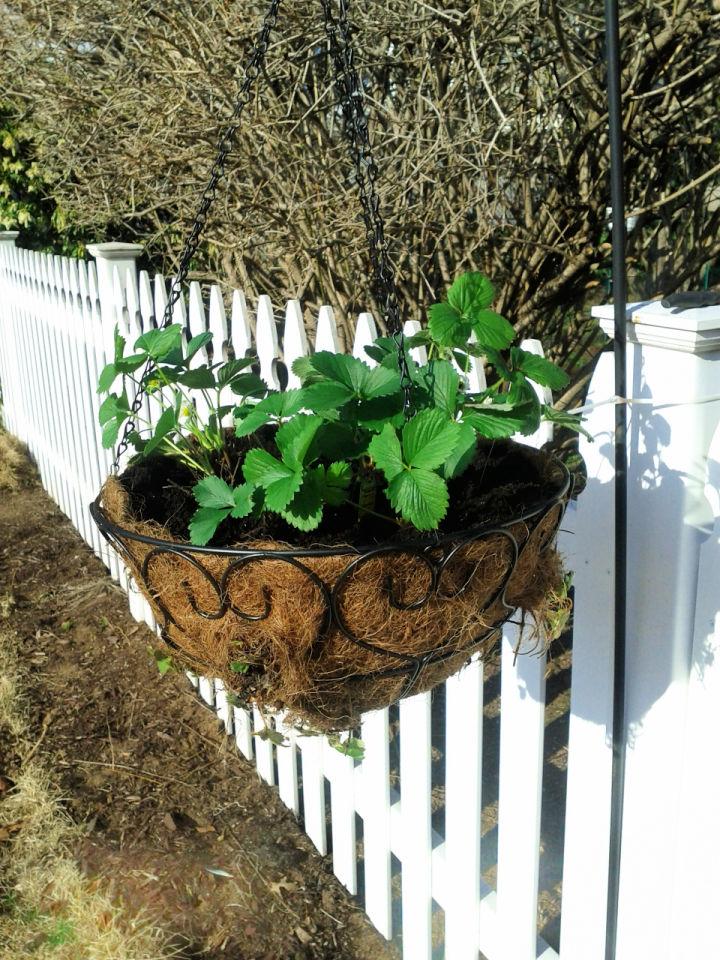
(43, 731)
(143, 774)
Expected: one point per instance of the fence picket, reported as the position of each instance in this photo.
(268, 350)
(341, 773)
(365, 334)
(295, 342)
(206, 689)
(326, 334)
(263, 750)
(243, 732)
(241, 334)
(375, 779)
(222, 707)
(313, 784)
(287, 768)
(463, 766)
(416, 804)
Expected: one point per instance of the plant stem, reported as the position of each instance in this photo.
(374, 513)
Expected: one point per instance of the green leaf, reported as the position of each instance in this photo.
(429, 439)
(338, 441)
(463, 454)
(492, 330)
(159, 343)
(197, 343)
(166, 423)
(302, 367)
(164, 665)
(294, 438)
(419, 496)
(248, 385)
(199, 378)
(521, 391)
(374, 414)
(107, 378)
(305, 510)
(494, 424)
(420, 339)
(119, 343)
(334, 482)
(447, 326)
(204, 523)
(231, 368)
(380, 382)
(279, 481)
(496, 359)
(274, 736)
(239, 666)
(354, 375)
(341, 367)
(257, 418)
(572, 421)
(377, 352)
(272, 407)
(351, 747)
(471, 292)
(539, 369)
(108, 408)
(130, 364)
(214, 492)
(243, 499)
(327, 395)
(386, 451)
(110, 433)
(443, 380)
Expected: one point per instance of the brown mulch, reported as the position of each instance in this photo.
(164, 795)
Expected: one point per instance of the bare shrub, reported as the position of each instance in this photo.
(490, 129)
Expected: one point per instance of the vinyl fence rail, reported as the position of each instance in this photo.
(479, 818)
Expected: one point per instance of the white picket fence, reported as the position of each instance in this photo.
(446, 854)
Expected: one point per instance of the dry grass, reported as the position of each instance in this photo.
(48, 908)
(16, 470)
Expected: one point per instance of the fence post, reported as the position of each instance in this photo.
(673, 367)
(110, 257)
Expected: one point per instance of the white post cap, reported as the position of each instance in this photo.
(115, 251)
(696, 330)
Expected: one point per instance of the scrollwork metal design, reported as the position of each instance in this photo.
(434, 555)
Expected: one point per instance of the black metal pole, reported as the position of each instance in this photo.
(619, 292)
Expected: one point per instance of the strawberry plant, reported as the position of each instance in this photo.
(381, 436)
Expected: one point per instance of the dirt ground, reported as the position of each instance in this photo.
(175, 822)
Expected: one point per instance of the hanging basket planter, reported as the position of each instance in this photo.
(281, 582)
(327, 632)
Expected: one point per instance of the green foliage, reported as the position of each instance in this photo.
(342, 437)
(163, 661)
(349, 747)
(25, 195)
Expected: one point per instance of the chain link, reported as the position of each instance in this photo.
(351, 98)
(217, 172)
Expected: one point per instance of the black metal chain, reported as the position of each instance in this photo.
(217, 172)
(351, 98)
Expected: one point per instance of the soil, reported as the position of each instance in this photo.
(175, 820)
(503, 479)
